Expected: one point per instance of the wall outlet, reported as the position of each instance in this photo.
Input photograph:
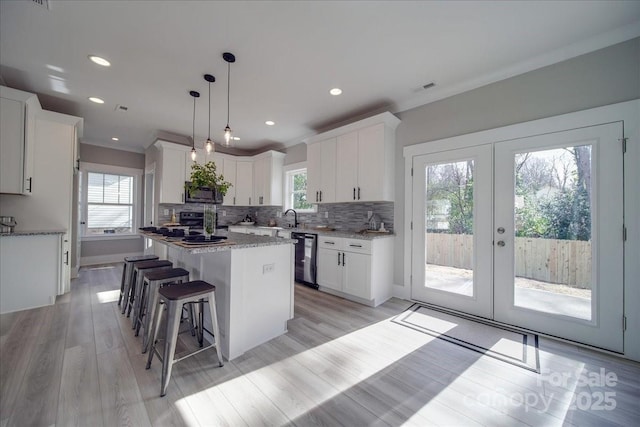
(224, 213)
(268, 268)
(166, 212)
(326, 214)
(369, 213)
(279, 214)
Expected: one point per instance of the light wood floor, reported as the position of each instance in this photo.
(341, 363)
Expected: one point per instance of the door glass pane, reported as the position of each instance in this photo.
(553, 231)
(449, 227)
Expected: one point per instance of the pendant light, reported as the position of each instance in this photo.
(209, 144)
(193, 135)
(228, 133)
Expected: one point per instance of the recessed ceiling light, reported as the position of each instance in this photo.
(115, 138)
(96, 100)
(269, 123)
(335, 91)
(99, 60)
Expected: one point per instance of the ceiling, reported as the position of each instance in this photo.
(288, 56)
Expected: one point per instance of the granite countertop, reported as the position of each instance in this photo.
(350, 234)
(242, 241)
(32, 233)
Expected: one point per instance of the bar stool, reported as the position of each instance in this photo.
(139, 269)
(174, 298)
(127, 273)
(149, 297)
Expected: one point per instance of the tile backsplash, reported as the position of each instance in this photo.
(342, 216)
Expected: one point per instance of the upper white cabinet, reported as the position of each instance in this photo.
(321, 171)
(171, 171)
(267, 178)
(363, 165)
(229, 170)
(17, 134)
(244, 183)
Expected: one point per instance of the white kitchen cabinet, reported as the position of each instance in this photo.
(267, 178)
(17, 138)
(356, 269)
(171, 171)
(229, 171)
(50, 206)
(21, 285)
(202, 157)
(363, 161)
(362, 167)
(244, 183)
(321, 171)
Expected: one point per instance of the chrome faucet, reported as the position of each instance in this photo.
(295, 217)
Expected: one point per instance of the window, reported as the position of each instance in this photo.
(296, 190)
(110, 201)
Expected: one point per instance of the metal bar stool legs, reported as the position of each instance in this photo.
(149, 300)
(174, 298)
(127, 275)
(141, 268)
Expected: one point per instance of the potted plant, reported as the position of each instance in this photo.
(206, 176)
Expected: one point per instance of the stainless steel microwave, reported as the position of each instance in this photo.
(202, 195)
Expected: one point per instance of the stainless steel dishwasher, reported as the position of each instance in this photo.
(305, 258)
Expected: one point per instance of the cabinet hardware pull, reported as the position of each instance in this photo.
(330, 243)
(355, 246)
(320, 195)
(234, 200)
(249, 200)
(354, 193)
(66, 261)
(344, 262)
(30, 184)
(338, 258)
(358, 193)
(317, 200)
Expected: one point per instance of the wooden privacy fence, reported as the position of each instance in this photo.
(566, 262)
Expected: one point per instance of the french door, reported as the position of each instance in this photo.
(527, 232)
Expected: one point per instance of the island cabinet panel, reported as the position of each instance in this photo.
(356, 269)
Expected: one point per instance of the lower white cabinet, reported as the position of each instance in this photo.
(31, 270)
(357, 269)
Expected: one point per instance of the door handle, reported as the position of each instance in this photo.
(501, 243)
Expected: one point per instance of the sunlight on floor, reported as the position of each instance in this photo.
(108, 296)
(342, 363)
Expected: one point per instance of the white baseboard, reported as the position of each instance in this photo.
(106, 259)
(402, 292)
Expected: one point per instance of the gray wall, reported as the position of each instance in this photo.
(108, 156)
(603, 77)
(295, 154)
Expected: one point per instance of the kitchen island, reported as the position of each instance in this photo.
(254, 283)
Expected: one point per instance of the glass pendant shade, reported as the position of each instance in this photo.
(193, 154)
(228, 133)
